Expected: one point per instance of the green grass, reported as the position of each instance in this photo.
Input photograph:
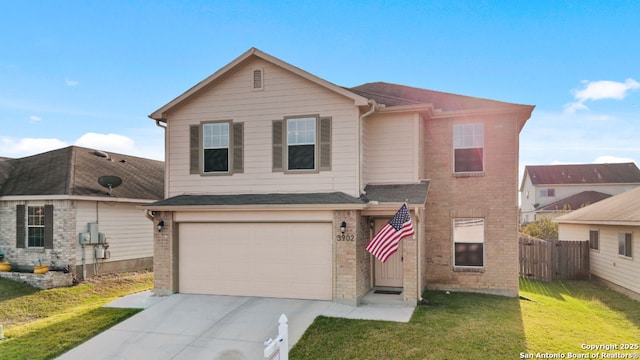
(42, 324)
(561, 317)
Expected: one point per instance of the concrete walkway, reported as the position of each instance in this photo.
(184, 326)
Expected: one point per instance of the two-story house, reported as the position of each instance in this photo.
(276, 180)
(554, 190)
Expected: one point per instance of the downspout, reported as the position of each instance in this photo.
(418, 213)
(373, 107)
(166, 153)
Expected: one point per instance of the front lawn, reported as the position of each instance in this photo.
(43, 324)
(561, 318)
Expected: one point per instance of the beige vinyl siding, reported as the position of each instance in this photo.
(393, 148)
(284, 94)
(605, 262)
(130, 233)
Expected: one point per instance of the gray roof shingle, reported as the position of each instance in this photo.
(259, 199)
(75, 170)
(583, 174)
(576, 201)
(411, 193)
(398, 95)
(621, 209)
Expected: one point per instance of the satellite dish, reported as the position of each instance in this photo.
(110, 182)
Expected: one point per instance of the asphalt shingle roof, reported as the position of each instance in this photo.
(411, 193)
(75, 170)
(576, 201)
(259, 199)
(583, 174)
(398, 95)
(619, 209)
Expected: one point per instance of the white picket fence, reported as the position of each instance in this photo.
(278, 349)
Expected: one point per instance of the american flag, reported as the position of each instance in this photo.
(386, 241)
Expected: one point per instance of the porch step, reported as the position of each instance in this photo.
(383, 299)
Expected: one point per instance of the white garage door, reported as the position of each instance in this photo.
(285, 260)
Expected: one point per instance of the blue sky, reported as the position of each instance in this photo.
(89, 72)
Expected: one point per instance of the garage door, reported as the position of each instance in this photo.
(286, 260)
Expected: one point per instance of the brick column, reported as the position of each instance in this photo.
(165, 255)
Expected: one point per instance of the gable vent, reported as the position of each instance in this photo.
(257, 79)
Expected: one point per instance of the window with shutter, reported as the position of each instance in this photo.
(34, 226)
(216, 148)
(302, 144)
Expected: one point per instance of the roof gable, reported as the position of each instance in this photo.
(75, 171)
(621, 209)
(583, 174)
(242, 59)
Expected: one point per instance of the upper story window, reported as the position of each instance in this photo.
(216, 147)
(550, 192)
(302, 144)
(468, 148)
(594, 239)
(468, 240)
(624, 244)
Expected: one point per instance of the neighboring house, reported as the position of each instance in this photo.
(553, 190)
(612, 227)
(47, 200)
(276, 180)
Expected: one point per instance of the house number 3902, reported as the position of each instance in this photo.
(343, 237)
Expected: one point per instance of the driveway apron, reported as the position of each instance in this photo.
(184, 326)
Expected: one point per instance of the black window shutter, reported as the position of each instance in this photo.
(277, 146)
(325, 144)
(194, 149)
(238, 147)
(21, 236)
(48, 226)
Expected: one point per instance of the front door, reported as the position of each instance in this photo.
(388, 273)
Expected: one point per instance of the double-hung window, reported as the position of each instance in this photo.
(35, 226)
(468, 148)
(301, 143)
(624, 244)
(215, 145)
(468, 240)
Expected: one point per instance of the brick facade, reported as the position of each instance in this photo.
(62, 254)
(165, 255)
(491, 195)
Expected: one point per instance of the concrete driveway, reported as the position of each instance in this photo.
(184, 326)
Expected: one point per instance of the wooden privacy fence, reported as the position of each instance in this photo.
(553, 260)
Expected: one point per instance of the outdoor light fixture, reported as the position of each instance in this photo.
(343, 226)
(160, 225)
(371, 222)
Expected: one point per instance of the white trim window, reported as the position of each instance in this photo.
(215, 145)
(625, 241)
(35, 226)
(301, 143)
(468, 242)
(468, 148)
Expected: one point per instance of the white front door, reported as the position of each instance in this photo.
(388, 273)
